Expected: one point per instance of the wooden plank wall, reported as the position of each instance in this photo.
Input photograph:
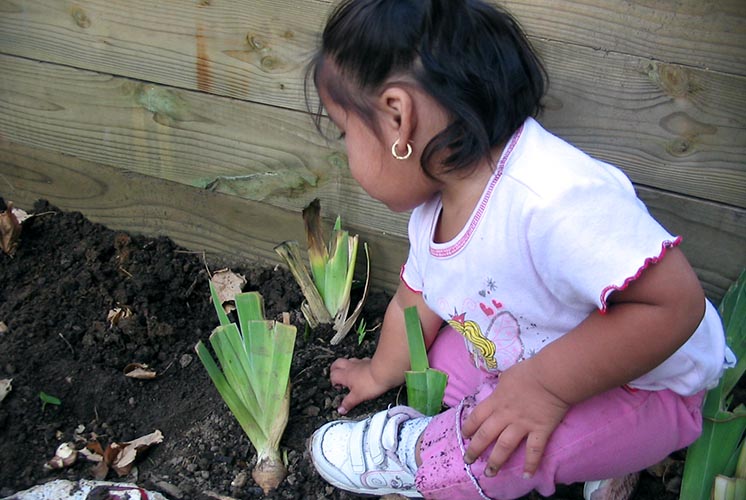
(188, 118)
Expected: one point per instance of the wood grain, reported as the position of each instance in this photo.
(261, 153)
(667, 126)
(229, 227)
(258, 50)
(275, 155)
(707, 34)
(225, 227)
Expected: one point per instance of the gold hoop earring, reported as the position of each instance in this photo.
(404, 156)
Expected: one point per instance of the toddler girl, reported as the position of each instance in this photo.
(576, 337)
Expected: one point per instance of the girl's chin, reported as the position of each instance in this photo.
(398, 208)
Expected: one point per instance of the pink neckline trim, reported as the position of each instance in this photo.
(474, 223)
(648, 262)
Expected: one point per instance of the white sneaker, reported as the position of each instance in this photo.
(619, 488)
(361, 456)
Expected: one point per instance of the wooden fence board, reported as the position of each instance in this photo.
(697, 33)
(225, 227)
(256, 152)
(714, 235)
(272, 154)
(256, 49)
(667, 126)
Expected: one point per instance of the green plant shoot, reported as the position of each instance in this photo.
(48, 399)
(715, 455)
(327, 287)
(362, 329)
(425, 386)
(255, 357)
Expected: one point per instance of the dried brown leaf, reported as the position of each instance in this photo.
(139, 371)
(128, 451)
(117, 314)
(5, 387)
(10, 230)
(227, 285)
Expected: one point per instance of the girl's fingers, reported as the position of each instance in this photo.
(348, 403)
(535, 445)
(508, 440)
(474, 421)
(484, 435)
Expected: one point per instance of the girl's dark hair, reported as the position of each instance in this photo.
(470, 56)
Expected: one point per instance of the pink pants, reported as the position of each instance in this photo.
(609, 435)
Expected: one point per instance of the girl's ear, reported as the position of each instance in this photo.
(399, 119)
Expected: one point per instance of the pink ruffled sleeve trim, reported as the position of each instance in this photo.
(648, 262)
(401, 277)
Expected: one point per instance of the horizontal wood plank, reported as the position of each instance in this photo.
(667, 126)
(229, 227)
(226, 227)
(696, 33)
(256, 152)
(257, 50)
(272, 154)
(713, 236)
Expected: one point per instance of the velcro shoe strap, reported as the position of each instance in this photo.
(375, 430)
(356, 446)
(390, 435)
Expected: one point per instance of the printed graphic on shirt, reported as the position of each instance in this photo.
(496, 348)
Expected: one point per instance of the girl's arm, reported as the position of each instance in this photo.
(644, 324)
(369, 378)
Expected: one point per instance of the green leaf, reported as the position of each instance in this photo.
(425, 386)
(235, 405)
(415, 339)
(222, 316)
(710, 454)
(336, 273)
(48, 399)
(425, 390)
(313, 308)
(328, 286)
(741, 462)
(254, 374)
(733, 311)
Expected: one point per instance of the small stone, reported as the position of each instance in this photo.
(191, 467)
(205, 474)
(312, 411)
(3, 328)
(169, 489)
(240, 480)
(185, 360)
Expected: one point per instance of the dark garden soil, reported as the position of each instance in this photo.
(55, 293)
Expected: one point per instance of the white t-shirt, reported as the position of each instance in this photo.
(555, 233)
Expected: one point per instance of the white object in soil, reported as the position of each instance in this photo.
(62, 489)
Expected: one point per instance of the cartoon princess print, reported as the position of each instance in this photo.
(496, 349)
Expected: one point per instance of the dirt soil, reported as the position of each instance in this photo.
(55, 294)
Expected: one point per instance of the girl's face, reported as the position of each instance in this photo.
(399, 184)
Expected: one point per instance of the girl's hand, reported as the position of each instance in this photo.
(520, 408)
(357, 376)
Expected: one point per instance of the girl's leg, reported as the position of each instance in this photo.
(610, 435)
(448, 354)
